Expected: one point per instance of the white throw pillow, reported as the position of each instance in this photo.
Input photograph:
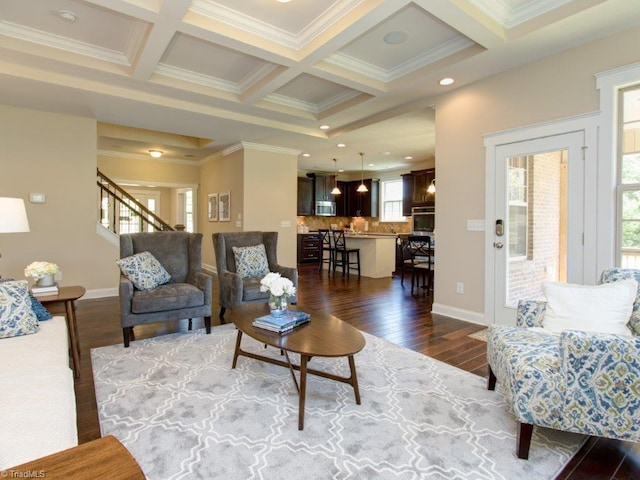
(602, 308)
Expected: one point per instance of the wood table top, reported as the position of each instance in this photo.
(323, 336)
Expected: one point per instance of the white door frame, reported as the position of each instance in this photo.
(588, 124)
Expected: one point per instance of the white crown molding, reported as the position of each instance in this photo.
(199, 78)
(139, 156)
(56, 41)
(314, 108)
(262, 29)
(258, 74)
(441, 51)
(509, 16)
(254, 146)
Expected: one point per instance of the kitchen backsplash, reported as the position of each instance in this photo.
(360, 224)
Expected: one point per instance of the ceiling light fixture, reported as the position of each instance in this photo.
(283, 1)
(156, 153)
(324, 127)
(341, 145)
(336, 190)
(362, 188)
(67, 16)
(306, 154)
(446, 81)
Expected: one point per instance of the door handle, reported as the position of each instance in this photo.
(498, 244)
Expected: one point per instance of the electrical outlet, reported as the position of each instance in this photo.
(460, 287)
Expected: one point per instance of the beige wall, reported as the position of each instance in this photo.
(221, 174)
(556, 87)
(270, 198)
(54, 155)
(250, 175)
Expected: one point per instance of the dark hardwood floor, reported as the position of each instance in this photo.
(381, 307)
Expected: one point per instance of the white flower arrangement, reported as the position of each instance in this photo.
(38, 270)
(277, 285)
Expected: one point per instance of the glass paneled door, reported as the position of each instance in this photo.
(539, 202)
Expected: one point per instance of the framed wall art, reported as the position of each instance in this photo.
(224, 203)
(212, 202)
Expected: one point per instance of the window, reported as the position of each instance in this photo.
(518, 208)
(392, 201)
(629, 176)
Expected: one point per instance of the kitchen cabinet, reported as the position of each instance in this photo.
(323, 184)
(362, 204)
(305, 196)
(308, 247)
(341, 200)
(414, 190)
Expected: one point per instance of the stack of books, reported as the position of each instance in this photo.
(41, 291)
(284, 324)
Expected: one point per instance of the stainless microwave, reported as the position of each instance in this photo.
(325, 208)
(424, 220)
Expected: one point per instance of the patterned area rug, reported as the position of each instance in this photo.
(177, 405)
(479, 335)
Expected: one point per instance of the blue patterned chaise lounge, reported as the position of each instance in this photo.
(580, 382)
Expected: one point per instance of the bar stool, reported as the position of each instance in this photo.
(325, 246)
(343, 255)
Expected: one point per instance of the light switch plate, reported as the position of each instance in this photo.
(475, 225)
(285, 223)
(37, 198)
(238, 223)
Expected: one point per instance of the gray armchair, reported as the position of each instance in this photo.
(188, 293)
(235, 290)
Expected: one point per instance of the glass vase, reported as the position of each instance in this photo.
(278, 305)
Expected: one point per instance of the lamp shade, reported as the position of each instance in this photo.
(13, 215)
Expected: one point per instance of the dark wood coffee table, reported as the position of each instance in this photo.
(324, 336)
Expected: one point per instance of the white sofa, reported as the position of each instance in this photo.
(37, 398)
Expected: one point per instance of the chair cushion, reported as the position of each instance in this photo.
(16, 314)
(616, 274)
(251, 261)
(602, 308)
(172, 296)
(144, 271)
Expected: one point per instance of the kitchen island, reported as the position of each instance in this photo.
(377, 253)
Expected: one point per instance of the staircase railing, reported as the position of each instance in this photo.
(118, 210)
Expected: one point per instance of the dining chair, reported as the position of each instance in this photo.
(343, 255)
(420, 262)
(325, 246)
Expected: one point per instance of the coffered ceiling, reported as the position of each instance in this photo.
(196, 77)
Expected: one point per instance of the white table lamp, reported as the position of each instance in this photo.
(13, 215)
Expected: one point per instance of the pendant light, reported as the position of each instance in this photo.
(336, 190)
(432, 186)
(362, 188)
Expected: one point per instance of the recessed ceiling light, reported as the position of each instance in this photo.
(283, 1)
(372, 164)
(155, 153)
(67, 16)
(306, 154)
(446, 81)
(324, 127)
(341, 145)
(395, 38)
(386, 153)
(409, 157)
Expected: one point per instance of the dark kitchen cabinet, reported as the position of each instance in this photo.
(363, 204)
(323, 184)
(341, 200)
(414, 190)
(308, 247)
(305, 196)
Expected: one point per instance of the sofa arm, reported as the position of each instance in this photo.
(603, 381)
(205, 283)
(290, 273)
(230, 288)
(530, 313)
(126, 295)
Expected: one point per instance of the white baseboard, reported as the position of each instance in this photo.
(460, 314)
(100, 293)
